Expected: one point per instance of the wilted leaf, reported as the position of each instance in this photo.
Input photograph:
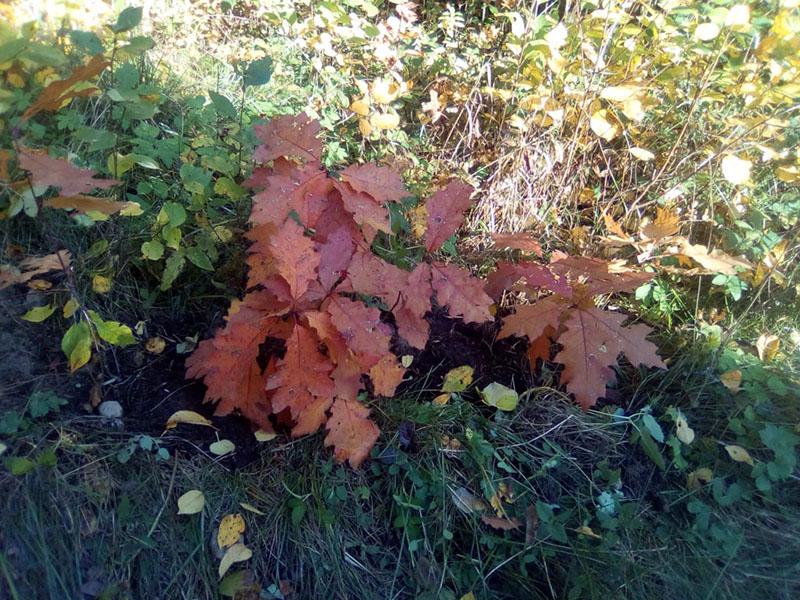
(603, 125)
(458, 379)
(446, 213)
(736, 170)
(236, 553)
(188, 417)
(731, 379)
(56, 94)
(641, 153)
(101, 284)
(249, 507)
(265, 436)
(77, 345)
(501, 397)
(191, 502)
(682, 430)
(222, 447)
(466, 502)
(385, 120)
(501, 523)
(230, 528)
(442, 399)
(739, 454)
(699, 477)
(72, 181)
(705, 32)
(155, 345)
(767, 347)
(588, 532)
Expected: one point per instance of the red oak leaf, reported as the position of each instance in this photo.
(361, 328)
(370, 214)
(301, 382)
(446, 213)
(60, 173)
(460, 292)
(382, 183)
(370, 275)
(335, 252)
(346, 374)
(531, 320)
(415, 302)
(295, 257)
(386, 375)
(290, 188)
(593, 341)
(595, 273)
(517, 241)
(289, 137)
(350, 432)
(507, 274)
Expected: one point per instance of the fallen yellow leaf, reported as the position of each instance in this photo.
(236, 553)
(191, 502)
(188, 417)
(230, 528)
(739, 454)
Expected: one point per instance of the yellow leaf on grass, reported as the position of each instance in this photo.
(236, 553)
(705, 32)
(39, 313)
(767, 347)
(384, 91)
(265, 436)
(698, 478)
(588, 532)
(70, 306)
(191, 502)
(222, 447)
(602, 125)
(406, 360)
(619, 93)
(458, 379)
(738, 16)
(682, 430)
(155, 345)
(739, 454)
(731, 379)
(101, 284)
(251, 508)
(364, 127)
(641, 153)
(230, 528)
(384, 120)
(360, 107)
(188, 417)
(418, 216)
(735, 170)
(442, 399)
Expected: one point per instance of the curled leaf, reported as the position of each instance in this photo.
(236, 553)
(188, 417)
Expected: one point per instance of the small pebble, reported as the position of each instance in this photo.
(111, 409)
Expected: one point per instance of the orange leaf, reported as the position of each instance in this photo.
(58, 92)
(381, 183)
(85, 204)
(517, 241)
(350, 432)
(386, 375)
(289, 136)
(460, 292)
(501, 523)
(591, 345)
(446, 213)
(60, 173)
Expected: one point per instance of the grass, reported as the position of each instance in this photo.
(393, 529)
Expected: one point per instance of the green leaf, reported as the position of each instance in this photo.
(77, 345)
(39, 313)
(501, 397)
(172, 236)
(194, 178)
(43, 403)
(232, 583)
(111, 331)
(127, 19)
(10, 50)
(173, 268)
(650, 449)
(222, 105)
(225, 186)
(138, 45)
(153, 250)
(19, 465)
(653, 427)
(86, 41)
(258, 72)
(175, 213)
(199, 258)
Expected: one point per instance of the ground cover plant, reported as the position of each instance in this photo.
(399, 299)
